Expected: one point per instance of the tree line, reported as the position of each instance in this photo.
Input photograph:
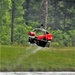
(18, 17)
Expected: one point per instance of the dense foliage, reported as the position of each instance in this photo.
(29, 14)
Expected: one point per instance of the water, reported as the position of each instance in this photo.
(27, 54)
(22, 57)
(37, 49)
(29, 47)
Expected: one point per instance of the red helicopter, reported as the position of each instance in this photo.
(40, 40)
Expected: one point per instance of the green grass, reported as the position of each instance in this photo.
(18, 58)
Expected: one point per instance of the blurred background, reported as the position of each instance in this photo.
(18, 17)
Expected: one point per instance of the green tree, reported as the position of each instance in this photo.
(5, 6)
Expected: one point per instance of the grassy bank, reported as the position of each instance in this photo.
(18, 58)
